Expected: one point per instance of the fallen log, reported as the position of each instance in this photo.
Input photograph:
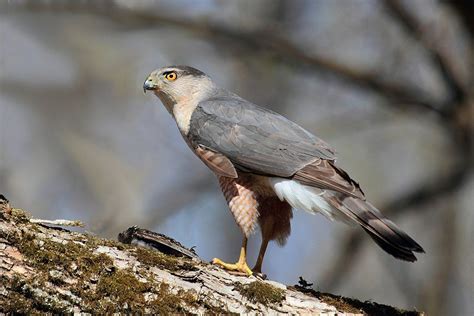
(45, 268)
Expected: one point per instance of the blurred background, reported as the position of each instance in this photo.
(388, 83)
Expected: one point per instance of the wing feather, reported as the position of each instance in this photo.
(260, 141)
(324, 174)
(217, 162)
(253, 138)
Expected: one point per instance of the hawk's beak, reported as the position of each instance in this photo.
(149, 84)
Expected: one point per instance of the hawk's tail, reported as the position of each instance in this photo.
(350, 210)
(383, 231)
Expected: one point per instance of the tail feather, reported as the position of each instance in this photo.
(339, 206)
(397, 252)
(383, 231)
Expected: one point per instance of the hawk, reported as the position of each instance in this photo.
(267, 165)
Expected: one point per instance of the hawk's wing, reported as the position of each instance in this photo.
(253, 138)
(261, 141)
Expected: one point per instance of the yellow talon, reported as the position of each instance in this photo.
(239, 266)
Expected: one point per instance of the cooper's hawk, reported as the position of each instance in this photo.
(266, 165)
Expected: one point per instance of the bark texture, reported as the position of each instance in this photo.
(54, 270)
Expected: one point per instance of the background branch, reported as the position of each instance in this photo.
(425, 193)
(399, 96)
(420, 33)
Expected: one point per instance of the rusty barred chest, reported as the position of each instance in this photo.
(245, 196)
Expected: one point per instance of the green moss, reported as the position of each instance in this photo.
(340, 303)
(214, 310)
(354, 306)
(73, 257)
(69, 260)
(169, 303)
(19, 216)
(93, 242)
(123, 289)
(155, 258)
(101, 287)
(351, 305)
(16, 302)
(30, 296)
(261, 292)
(47, 254)
(117, 291)
(122, 292)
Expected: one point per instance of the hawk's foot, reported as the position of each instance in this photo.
(240, 266)
(259, 274)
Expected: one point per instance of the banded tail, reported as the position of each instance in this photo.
(349, 209)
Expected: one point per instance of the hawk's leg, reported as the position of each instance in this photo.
(239, 266)
(274, 221)
(243, 205)
(263, 248)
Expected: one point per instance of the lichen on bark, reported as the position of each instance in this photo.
(47, 269)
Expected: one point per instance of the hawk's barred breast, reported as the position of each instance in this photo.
(242, 201)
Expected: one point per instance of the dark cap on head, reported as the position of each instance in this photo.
(187, 70)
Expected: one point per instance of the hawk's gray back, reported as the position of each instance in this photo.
(255, 139)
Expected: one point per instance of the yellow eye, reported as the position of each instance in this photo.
(171, 76)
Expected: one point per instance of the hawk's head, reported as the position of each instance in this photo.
(174, 84)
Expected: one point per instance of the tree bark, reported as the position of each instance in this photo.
(46, 268)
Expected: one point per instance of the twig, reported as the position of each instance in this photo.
(417, 31)
(58, 222)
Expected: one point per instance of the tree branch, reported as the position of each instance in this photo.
(53, 270)
(401, 96)
(417, 31)
(465, 10)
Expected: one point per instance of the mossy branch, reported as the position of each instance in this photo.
(53, 270)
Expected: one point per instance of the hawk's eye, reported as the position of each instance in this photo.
(171, 76)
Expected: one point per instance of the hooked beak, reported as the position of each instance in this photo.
(149, 84)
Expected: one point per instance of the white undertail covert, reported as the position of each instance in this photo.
(303, 197)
